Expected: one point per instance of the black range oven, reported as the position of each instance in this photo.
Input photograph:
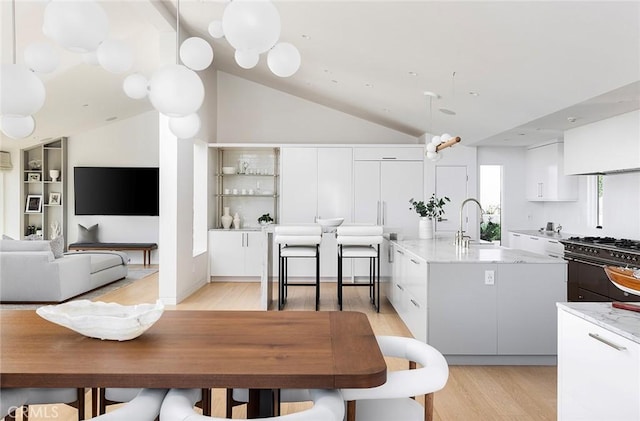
(586, 257)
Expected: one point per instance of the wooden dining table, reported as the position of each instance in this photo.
(257, 350)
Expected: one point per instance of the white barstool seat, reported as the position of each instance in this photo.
(11, 399)
(45, 396)
(360, 242)
(116, 395)
(327, 406)
(393, 400)
(297, 241)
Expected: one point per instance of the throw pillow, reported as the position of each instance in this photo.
(87, 235)
(6, 237)
(57, 246)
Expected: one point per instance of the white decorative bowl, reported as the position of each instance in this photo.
(228, 170)
(101, 320)
(329, 223)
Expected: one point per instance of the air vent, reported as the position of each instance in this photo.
(5, 160)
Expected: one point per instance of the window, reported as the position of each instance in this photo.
(490, 198)
(599, 200)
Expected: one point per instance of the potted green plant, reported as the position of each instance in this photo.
(265, 219)
(429, 212)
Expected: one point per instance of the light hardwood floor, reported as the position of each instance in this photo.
(472, 393)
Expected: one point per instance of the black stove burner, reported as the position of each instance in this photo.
(627, 244)
(595, 240)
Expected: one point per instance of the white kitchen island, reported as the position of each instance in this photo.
(482, 305)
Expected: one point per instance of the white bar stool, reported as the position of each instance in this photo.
(297, 241)
(361, 242)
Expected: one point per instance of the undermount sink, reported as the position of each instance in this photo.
(481, 243)
(327, 223)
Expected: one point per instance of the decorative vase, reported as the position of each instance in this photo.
(54, 174)
(236, 221)
(226, 219)
(425, 228)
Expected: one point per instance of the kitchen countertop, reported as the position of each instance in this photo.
(545, 234)
(623, 322)
(442, 250)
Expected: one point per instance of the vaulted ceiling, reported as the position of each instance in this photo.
(514, 73)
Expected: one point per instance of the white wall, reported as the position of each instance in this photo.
(252, 113)
(127, 143)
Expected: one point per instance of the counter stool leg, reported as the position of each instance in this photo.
(317, 277)
(378, 281)
(340, 277)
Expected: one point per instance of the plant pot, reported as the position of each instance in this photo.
(425, 228)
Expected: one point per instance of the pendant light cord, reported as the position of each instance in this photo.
(177, 31)
(13, 29)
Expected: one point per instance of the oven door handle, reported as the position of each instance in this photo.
(589, 263)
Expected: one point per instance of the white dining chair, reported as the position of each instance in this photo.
(145, 406)
(115, 395)
(328, 405)
(360, 242)
(393, 400)
(11, 399)
(295, 242)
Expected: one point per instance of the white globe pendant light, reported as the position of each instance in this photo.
(22, 93)
(247, 59)
(135, 86)
(185, 127)
(284, 59)
(196, 53)
(431, 147)
(215, 29)
(78, 26)
(114, 56)
(17, 127)
(251, 25)
(444, 137)
(176, 91)
(41, 57)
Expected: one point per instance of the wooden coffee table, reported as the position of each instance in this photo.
(197, 349)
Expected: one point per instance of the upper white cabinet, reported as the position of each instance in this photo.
(604, 146)
(545, 175)
(382, 188)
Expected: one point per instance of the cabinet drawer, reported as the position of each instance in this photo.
(415, 316)
(388, 154)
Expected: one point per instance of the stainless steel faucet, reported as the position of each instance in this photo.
(462, 240)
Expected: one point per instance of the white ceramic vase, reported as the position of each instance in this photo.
(236, 221)
(226, 219)
(54, 174)
(425, 228)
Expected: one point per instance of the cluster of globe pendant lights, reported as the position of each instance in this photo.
(80, 27)
(252, 27)
(431, 151)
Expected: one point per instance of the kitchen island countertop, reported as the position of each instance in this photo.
(623, 322)
(442, 250)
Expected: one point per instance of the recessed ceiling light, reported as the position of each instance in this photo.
(447, 111)
(413, 74)
(305, 36)
(472, 93)
(368, 85)
(111, 118)
(431, 94)
(572, 119)
(334, 81)
(85, 105)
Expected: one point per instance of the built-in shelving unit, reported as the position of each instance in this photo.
(252, 189)
(44, 197)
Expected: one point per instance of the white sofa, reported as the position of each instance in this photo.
(29, 272)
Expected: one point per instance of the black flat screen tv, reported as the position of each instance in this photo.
(116, 190)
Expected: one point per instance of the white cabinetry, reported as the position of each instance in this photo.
(598, 372)
(384, 183)
(235, 253)
(408, 291)
(316, 183)
(545, 175)
(536, 244)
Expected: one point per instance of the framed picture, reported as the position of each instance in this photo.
(34, 203)
(54, 199)
(33, 176)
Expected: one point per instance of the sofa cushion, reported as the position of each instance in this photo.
(87, 235)
(101, 260)
(24, 245)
